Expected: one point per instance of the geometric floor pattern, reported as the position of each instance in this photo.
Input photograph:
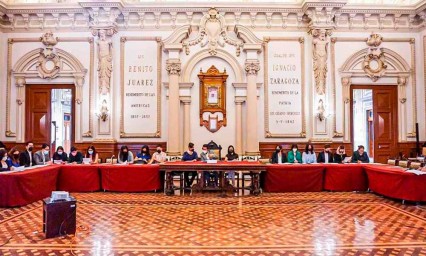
(271, 224)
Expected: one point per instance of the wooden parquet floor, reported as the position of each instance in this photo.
(271, 224)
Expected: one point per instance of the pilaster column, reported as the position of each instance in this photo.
(402, 98)
(239, 100)
(173, 67)
(252, 66)
(79, 82)
(20, 83)
(186, 121)
(346, 88)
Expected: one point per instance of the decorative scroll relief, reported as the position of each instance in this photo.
(284, 89)
(140, 88)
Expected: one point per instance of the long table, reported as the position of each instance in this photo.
(132, 178)
(21, 188)
(394, 182)
(254, 169)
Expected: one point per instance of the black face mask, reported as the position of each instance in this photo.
(16, 156)
(158, 151)
(191, 149)
(30, 149)
(277, 150)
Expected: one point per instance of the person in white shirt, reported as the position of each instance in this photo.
(308, 156)
(159, 156)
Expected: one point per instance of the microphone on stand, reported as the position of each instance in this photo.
(112, 157)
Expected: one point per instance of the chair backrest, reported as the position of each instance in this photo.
(392, 162)
(404, 164)
(216, 149)
(249, 158)
(415, 165)
(174, 158)
(108, 160)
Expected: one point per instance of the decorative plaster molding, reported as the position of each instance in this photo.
(173, 67)
(320, 56)
(252, 67)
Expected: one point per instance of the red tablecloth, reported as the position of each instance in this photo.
(79, 178)
(396, 183)
(130, 178)
(21, 188)
(345, 177)
(294, 178)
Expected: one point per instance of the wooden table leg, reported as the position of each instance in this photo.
(169, 184)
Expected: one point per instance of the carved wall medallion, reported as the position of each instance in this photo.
(213, 33)
(374, 65)
(213, 98)
(49, 63)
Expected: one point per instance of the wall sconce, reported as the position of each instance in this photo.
(321, 110)
(103, 114)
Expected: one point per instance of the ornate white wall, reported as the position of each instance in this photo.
(409, 45)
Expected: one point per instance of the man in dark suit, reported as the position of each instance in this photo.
(26, 158)
(360, 156)
(325, 156)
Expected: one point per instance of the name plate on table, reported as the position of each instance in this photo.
(211, 161)
(57, 161)
(19, 169)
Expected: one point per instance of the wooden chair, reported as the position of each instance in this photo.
(175, 174)
(415, 165)
(216, 149)
(245, 174)
(404, 164)
(108, 160)
(392, 162)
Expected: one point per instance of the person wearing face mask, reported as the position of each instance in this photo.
(208, 175)
(340, 155)
(144, 156)
(278, 157)
(3, 158)
(360, 156)
(42, 157)
(125, 156)
(13, 158)
(190, 156)
(75, 157)
(294, 155)
(92, 154)
(60, 155)
(325, 156)
(231, 156)
(26, 158)
(309, 157)
(159, 156)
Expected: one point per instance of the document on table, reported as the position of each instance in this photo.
(416, 172)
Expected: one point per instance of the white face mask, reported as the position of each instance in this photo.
(90, 152)
(294, 150)
(205, 151)
(4, 158)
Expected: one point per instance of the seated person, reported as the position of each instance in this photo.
(190, 156)
(92, 154)
(278, 156)
(159, 156)
(325, 156)
(3, 157)
(42, 157)
(144, 156)
(294, 155)
(13, 159)
(26, 158)
(360, 156)
(125, 156)
(75, 157)
(340, 155)
(60, 155)
(309, 157)
(231, 156)
(208, 175)
(2, 146)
